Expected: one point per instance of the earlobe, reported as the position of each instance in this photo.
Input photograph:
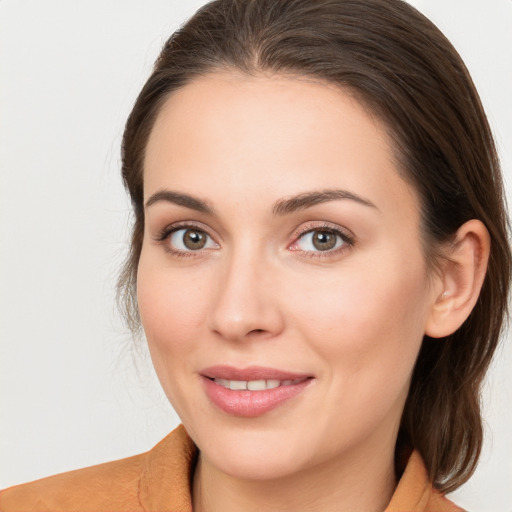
(462, 276)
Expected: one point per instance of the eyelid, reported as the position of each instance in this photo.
(346, 235)
(163, 235)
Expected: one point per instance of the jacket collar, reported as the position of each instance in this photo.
(168, 468)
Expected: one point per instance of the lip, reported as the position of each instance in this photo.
(249, 373)
(250, 404)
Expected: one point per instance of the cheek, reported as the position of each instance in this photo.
(369, 323)
(171, 312)
(170, 307)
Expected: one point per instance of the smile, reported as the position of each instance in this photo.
(252, 392)
(256, 385)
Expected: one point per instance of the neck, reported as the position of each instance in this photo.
(364, 482)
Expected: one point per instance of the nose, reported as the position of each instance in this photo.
(246, 304)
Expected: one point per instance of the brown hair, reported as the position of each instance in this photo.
(403, 69)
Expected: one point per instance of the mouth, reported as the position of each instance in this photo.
(256, 385)
(253, 391)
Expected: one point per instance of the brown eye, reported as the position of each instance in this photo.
(194, 240)
(323, 240)
(190, 239)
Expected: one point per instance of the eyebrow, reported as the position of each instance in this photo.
(282, 207)
(181, 200)
(309, 199)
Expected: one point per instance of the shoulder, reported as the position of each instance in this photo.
(441, 503)
(156, 480)
(109, 486)
(416, 493)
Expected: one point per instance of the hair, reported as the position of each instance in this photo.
(403, 69)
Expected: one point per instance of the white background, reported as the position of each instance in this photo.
(70, 393)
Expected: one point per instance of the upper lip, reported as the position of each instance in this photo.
(250, 373)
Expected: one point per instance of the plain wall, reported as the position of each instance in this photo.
(70, 393)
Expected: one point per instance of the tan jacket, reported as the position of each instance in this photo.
(159, 481)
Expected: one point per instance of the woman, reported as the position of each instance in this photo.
(319, 233)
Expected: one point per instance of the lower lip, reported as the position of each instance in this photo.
(250, 404)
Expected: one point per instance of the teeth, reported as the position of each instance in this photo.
(255, 385)
(237, 384)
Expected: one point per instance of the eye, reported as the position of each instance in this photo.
(190, 239)
(321, 240)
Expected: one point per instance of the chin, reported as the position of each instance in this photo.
(254, 465)
(252, 454)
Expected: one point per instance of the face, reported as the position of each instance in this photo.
(282, 285)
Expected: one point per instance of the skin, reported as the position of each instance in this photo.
(259, 293)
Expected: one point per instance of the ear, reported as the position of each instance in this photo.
(461, 279)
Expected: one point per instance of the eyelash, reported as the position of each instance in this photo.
(163, 237)
(348, 240)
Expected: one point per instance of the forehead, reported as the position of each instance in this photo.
(278, 133)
